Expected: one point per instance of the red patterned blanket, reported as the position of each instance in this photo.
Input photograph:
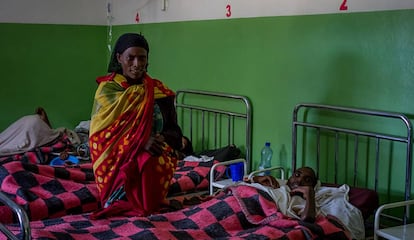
(40, 155)
(193, 176)
(46, 192)
(242, 213)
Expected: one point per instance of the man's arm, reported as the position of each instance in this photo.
(268, 181)
(307, 193)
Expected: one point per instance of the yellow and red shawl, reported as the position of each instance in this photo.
(121, 125)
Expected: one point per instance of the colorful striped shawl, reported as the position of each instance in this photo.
(121, 125)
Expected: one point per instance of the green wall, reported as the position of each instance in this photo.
(362, 60)
(357, 59)
(53, 66)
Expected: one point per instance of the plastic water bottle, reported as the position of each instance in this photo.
(266, 158)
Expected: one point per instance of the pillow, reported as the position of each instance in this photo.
(366, 200)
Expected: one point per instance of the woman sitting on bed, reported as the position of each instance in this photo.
(134, 135)
(303, 198)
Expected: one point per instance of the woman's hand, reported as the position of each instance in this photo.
(155, 144)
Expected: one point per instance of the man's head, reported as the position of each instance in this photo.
(304, 176)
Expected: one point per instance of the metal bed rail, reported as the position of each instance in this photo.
(378, 136)
(21, 216)
(210, 117)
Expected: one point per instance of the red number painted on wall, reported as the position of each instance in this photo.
(343, 6)
(137, 18)
(228, 10)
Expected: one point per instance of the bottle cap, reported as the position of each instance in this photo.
(267, 144)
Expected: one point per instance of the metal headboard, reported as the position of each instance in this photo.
(206, 116)
(404, 136)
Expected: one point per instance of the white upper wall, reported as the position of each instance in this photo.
(120, 12)
(90, 12)
(125, 11)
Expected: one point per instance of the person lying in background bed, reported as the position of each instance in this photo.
(302, 197)
(134, 136)
(30, 132)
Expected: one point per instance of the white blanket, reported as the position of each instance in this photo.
(329, 201)
(335, 201)
(26, 134)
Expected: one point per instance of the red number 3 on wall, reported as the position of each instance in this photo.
(228, 10)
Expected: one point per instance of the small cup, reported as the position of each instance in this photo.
(236, 171)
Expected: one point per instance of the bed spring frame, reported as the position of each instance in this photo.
(214, 124)
(301, 120)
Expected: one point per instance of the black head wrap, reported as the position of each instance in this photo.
(124, 42)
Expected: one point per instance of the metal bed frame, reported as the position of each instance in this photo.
(218, 122)
(306, 125)
(22, 218)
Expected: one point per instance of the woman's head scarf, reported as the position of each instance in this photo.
(124, 42)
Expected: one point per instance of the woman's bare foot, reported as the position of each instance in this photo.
(42, 113)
